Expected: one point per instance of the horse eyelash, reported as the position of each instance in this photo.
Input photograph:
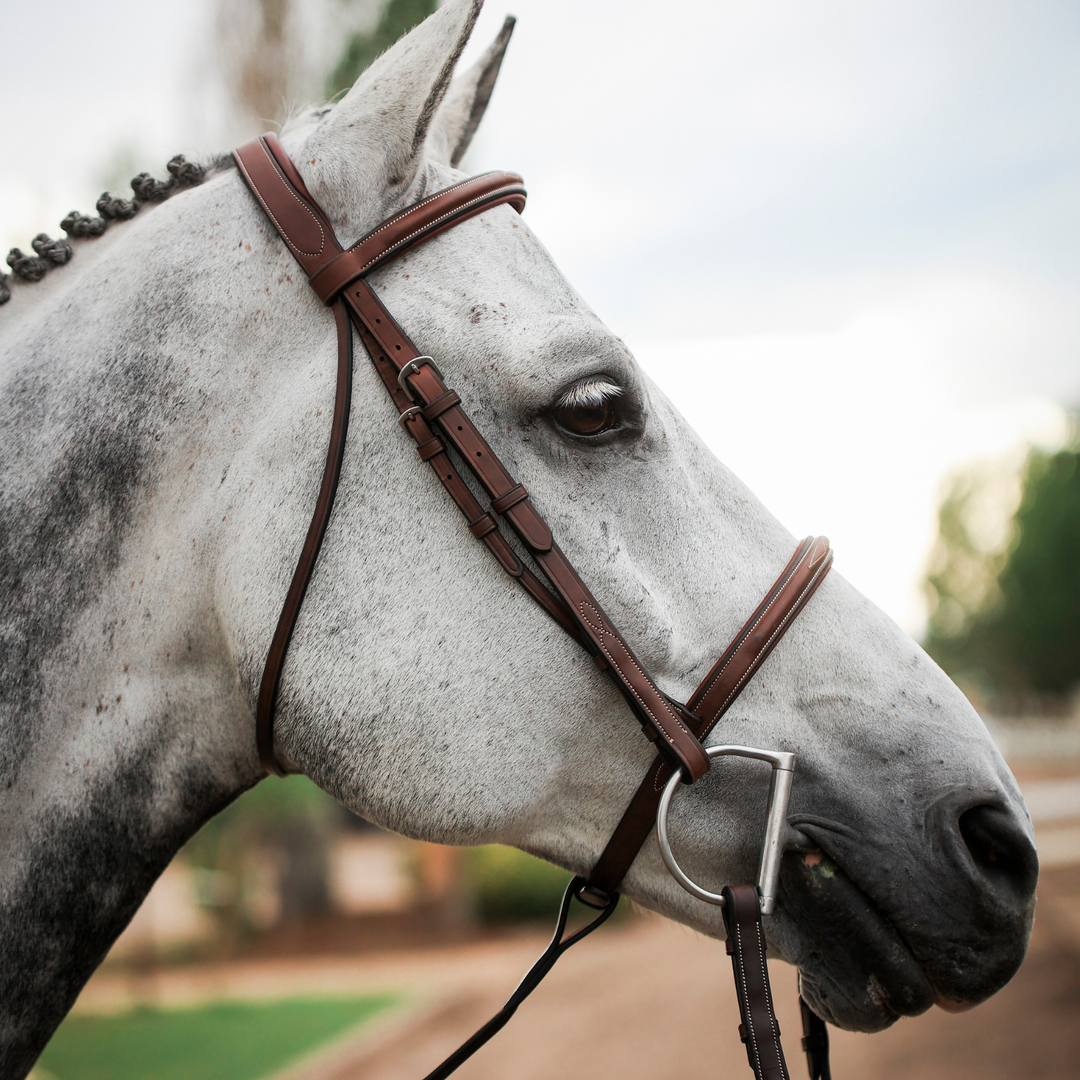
(589, 394)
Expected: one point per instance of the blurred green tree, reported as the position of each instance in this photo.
(509, 886)
(1006, 618)
(398, 18)
(269, 847)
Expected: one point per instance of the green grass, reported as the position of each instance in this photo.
(225, 1040)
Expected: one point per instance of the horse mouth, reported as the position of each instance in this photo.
(883, 928)
(857, 970)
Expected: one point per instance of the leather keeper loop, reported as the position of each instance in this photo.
(427, 450)
(482, 526)
(441, 404)
(531, 526)
(335, 275)
(504, 553)
(511, 498)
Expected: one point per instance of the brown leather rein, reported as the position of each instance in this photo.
(432, 415)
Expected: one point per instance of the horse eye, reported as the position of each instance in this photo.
(589, 419)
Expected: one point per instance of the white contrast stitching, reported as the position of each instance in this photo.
(768, 995)
(423, 228)
(270, 214)
(423, 202)
(751, 629)
(756, 623)
(746, 994)
(605, 633)
(772, 637)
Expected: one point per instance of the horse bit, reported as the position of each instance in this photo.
(432, 415)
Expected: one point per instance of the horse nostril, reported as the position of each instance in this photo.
(1000, 849)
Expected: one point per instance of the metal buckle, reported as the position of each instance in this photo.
(410, 369)
(408, 414)
(776, 826)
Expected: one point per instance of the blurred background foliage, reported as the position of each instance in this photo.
(363, 47)
(507, 885)
(1004, 581)
(280, 55)
(265, 861)
(278, 830)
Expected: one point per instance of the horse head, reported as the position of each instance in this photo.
(166, 403)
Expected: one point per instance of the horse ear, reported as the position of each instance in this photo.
(464, 106)
(365, 153)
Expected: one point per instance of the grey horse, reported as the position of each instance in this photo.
(165, 402)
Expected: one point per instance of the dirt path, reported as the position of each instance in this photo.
(654, 1001)
(646, 1001)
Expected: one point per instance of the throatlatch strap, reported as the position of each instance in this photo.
(759, 1030)
(324, 504)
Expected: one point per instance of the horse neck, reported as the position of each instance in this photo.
(123, 722)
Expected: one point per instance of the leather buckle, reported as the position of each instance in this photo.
(411, 368)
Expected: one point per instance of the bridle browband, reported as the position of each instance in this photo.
(432, 415)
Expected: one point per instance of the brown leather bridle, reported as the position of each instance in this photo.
(432, 415)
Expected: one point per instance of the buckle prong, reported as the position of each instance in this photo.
(411, 368)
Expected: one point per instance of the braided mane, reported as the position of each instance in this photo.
(50, 253)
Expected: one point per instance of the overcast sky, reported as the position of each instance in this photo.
(861, 220)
